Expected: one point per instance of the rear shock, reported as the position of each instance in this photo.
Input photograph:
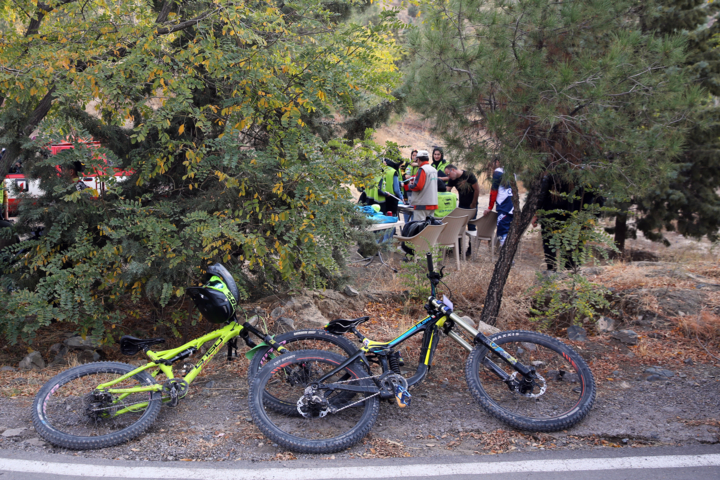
(395, 361)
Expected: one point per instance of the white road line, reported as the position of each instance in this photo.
(401, 471)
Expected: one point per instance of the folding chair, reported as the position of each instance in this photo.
(425, 240)
(486, 226)
(450, 237)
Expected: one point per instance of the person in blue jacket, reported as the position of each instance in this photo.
(501, 199)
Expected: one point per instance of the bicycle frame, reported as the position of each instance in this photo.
(161, 361)
(440, 315)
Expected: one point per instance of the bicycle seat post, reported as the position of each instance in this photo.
(358, 334)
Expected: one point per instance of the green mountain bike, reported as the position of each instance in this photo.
(102, 404)
(529, 380)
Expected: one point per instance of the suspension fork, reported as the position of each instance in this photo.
(480, 338)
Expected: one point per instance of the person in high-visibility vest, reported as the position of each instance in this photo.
(439, 163)
(424, 187)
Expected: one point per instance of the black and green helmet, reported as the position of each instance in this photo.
(218, 298)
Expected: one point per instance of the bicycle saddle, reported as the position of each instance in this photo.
(131, 345)
(341, 326)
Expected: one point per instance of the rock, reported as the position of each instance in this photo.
(628, 337)
(35, 442)
(33, 361)
(306, 310)
(655, 378)
(351, 292)
(87, 356)
(7, 369)
(256, 311)
(207, 389)
(481, 326)
(277, 313)
(253, 320)
(577, 334)
(624, 385)
(485, 328)
(660, 371)
(333, 304)
(687, 361)
(13, 432)
(58, 349)
(287, 322)
(605, 325)
(78, 343)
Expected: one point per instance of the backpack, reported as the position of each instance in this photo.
(411, 229)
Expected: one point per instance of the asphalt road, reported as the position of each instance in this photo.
(657, 463)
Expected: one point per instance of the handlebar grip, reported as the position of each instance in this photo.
(428, 255)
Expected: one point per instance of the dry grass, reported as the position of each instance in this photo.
(705, 325)
(624, 276)
(469, 287)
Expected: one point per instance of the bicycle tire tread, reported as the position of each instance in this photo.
(297, 445)
(91, 443)
(524, 423)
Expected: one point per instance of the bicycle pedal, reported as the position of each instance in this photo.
(402, 396)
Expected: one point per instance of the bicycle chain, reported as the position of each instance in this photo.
(359, 401)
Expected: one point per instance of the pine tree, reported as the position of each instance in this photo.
(574, 92)
(688, 202)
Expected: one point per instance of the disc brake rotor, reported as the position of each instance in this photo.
(537, 378)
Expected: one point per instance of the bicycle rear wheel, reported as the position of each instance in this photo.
(326, 425)
(70, 413)
(294, 341)
(560, 397)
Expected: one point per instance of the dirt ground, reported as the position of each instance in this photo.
(213, 422)
(630, 411)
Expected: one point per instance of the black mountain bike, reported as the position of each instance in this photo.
(527, 379)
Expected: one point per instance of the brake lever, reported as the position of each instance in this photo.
(441, 271)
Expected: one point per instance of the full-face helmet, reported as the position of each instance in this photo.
(217, 299)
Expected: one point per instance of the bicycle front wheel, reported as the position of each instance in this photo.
(69, 412)
(560, 396)
(324, 424)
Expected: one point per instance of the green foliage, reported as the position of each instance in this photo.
(576, 91)
(413, 274)
(413, 10)
(219, 113)
(575, 237)
(568, 300)
(551, 87)
(687, 202)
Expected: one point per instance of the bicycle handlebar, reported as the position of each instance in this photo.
(428, 255)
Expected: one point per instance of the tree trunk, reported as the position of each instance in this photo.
(493, 299)
(621, 230)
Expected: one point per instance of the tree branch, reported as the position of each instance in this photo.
(186, 23)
